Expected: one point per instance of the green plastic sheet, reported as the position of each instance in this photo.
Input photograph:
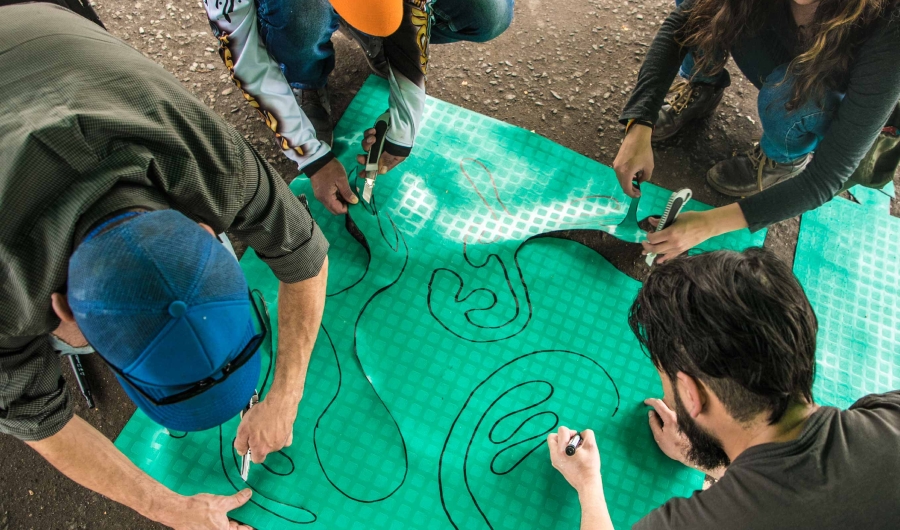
(455, 337)
(879, 199)
(847, 261)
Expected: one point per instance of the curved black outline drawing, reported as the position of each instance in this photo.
(517, 429)
(266, 466)
(372, 209)
(490, 434)
(263, 389)
(458, 295)
(493, 294)
(353, 229)
(396, 246)
(400, 238)
(257, 493)
(356, 234)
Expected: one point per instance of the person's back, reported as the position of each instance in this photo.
(842, 472)
(91, 126)
(114, 181)
(91, 131)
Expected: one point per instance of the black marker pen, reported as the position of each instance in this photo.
(574, 444)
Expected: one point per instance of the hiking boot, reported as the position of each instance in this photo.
(372, 46)
(685, 102)
(317, 107)
(752, 172)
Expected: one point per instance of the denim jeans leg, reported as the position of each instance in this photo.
(788, 135)
(297, 34)
(470, 20)
(687, 65)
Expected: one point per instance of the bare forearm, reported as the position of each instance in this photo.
(300, 307)
(727, 219)
(87, 457)
(594, 512)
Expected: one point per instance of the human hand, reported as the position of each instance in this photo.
(689, 230)
(331, 187)
(634, 160)
(266, 428)
(664, 426)
(387, 161)
(581, 470)
(205, 512)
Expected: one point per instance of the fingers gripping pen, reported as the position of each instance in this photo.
(574, 443)
(245, 461)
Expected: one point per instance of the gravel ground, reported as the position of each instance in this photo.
(566, 83)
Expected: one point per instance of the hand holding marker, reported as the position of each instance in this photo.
(576, 456)
(574, 443)
(245, 461)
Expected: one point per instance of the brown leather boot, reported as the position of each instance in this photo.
(752, 172)
(685, 102)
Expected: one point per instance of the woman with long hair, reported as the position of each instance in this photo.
(828, 74)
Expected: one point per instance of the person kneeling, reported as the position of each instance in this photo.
(733, 337)
(828, 83)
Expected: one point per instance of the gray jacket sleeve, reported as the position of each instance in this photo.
(277, 224)
(658, 70)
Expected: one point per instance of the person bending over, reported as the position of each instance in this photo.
(733, 338)
(280, 54)
(114, 181)
(828, 82)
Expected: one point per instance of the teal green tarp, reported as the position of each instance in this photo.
(453, 341)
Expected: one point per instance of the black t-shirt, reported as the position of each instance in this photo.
(841, 473)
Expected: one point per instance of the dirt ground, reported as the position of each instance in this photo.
(564, 73)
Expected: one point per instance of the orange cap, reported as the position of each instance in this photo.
(379, 18)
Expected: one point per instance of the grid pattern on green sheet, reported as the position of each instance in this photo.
(846, 260)
(452, 346)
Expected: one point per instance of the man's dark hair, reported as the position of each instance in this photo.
(738, 322)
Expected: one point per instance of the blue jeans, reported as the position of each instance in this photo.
(297, 33)
(790, 135)
(687, 69)
(787, 135)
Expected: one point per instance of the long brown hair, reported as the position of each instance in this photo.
(823, 64)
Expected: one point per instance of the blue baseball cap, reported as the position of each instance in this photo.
(166, 305)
